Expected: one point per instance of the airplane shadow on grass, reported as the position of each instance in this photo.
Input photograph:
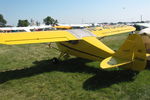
(101, 78)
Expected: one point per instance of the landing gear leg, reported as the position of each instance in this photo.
(63, 56)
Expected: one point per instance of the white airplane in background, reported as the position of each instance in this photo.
(146, 25)
(40, 28)
(145, 31)
(24, 29)
(141, 26)
(76, 25)
(144, 28)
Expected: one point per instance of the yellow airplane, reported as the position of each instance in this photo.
(62, 27)
(85, 43)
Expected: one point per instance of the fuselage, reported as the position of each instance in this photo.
(83, 49)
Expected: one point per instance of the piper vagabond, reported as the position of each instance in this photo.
(85, 43)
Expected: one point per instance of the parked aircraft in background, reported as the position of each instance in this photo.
(43, 28)
(140, 26)
(25, 29)
(76, 26)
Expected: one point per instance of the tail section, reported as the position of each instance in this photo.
(131, 55)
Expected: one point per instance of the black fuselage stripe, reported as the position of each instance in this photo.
(80, 51)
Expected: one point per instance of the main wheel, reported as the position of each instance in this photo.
(55, 61)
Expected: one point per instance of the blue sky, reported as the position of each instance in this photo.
(75, 11)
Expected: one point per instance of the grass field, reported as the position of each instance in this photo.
(27, 73)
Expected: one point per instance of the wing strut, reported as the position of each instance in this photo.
(103, 49)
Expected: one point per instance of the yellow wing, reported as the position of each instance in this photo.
(35, 37)
(101, 32)
(58, 36)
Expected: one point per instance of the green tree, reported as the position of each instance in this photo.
(50, 21)
(23, 23)
(2, 20)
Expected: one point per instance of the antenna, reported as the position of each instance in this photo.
(141, 18)
(82, 21)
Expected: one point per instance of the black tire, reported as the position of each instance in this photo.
(55, 61)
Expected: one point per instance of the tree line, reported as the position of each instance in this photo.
(24, 23)
(2, 20)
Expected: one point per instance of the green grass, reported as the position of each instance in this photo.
(27, 73)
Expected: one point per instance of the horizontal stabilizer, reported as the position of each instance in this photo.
(148, 56)
(112, 62)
